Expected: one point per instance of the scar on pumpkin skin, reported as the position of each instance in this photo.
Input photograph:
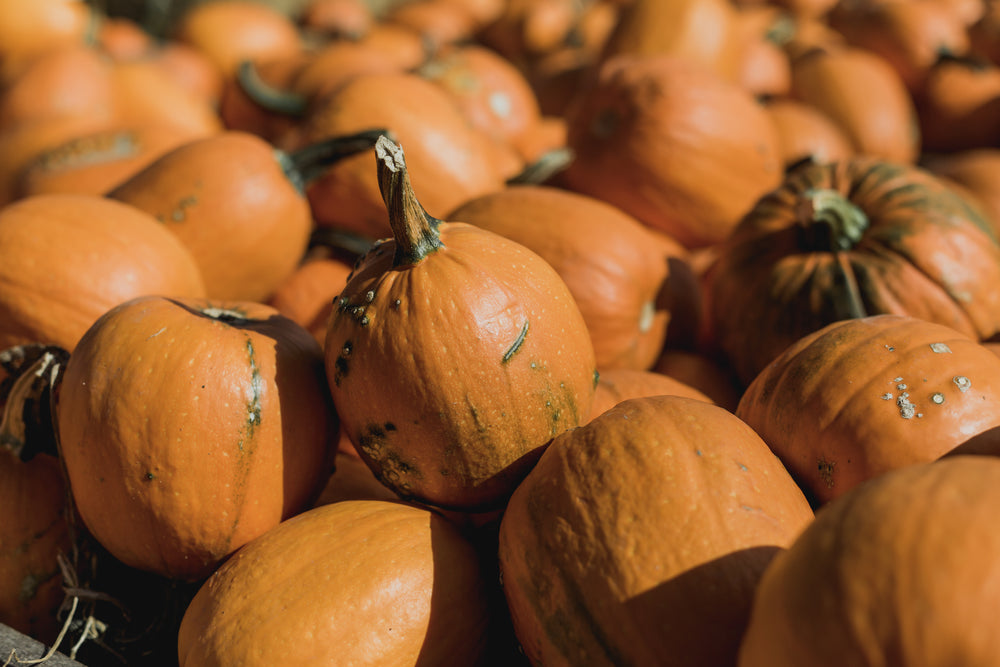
(826, 469)
(516, 345)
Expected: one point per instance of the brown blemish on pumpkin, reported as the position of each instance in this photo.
(391, 469)
(826, 470)
(179, 214)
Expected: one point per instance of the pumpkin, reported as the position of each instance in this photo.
(640, 537)
(231, 31)
(36, 530)
(901, 571)
(618, 384)
(337, 19)
(122, 38)
(352, 479)
(673, 145)
(236, 204)
(864, 396)
(960, 99)
(439, 23)
(862, 93)
(189, 427)
(617, 274)
(240, 99)
(764, 68)
(31, 30)
(977, 172)
(844, 240)
(909, 35)
(355, 582)
(704, 32)
(95, 162)
(703, 372)
(453, 355)
(66, 259)
(452, 162)
(806, 133)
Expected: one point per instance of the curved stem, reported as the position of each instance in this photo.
(415, 232)
(27, 421)
(338, 239)
(830, 221)
(265, 95)
(545, 167)
(306, 164)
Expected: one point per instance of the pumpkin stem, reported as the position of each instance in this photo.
(265, 95)
(829, 220)
(306, 164)
(545, 167)
(415, 232)
(27, 425)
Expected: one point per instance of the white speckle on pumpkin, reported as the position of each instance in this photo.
(940, 348)
(887, 396)
(906, 408)
(500, 104)
(901, 386)
(937, 399)
(963, 383)
(899, 379)
(890, 348)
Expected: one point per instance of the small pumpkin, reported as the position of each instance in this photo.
(452, 161)
(354, 582)
(850, 239)
(958, 104)
(237, 204)
(231, 31)
(454, 355)
(617, 274)
(901, 571)
(672, 144)
(864, 396)
(806, 133)
(861, 92)
(639, 538)
(190, 427)
(66, 259)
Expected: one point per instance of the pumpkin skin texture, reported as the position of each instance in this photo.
(639, 538)
(861, 397)
(672, 144)
(400, 586)
(65, 259)
(616, 273)
(844, 240)
(901, 571)
(232, 201)
(454, 355)
(618, 384)
(243, 442)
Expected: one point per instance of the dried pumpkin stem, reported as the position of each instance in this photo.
(832, 223)
(415, 232)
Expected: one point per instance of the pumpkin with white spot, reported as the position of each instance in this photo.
(862, 397)
(454, 355)
(188, 428)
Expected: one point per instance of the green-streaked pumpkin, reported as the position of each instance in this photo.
(188, 428)
(454, 355)
(850, 239)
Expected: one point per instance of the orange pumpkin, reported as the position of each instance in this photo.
(65, 259)
(337, 19)
(29, 30)
(617, 274)
(454, 355)
(844, 240)
(231, 31)
(398, 586)
(619, 384)
(977, 171)
(452, 162)
(672, 144)
(862, 93)
(805, 132)
(902, 571)
(244, 444)
(958, 104)
(640, 537)
(236, 204)
(864, 396)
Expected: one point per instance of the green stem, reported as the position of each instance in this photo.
(829, 220)
(265, 95)
(306, 164)
(415, 232)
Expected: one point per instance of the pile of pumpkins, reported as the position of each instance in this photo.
(502, 332)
